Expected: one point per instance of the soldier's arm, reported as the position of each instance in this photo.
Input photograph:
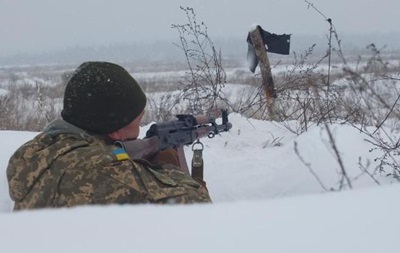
(95, 187)
(129, 183)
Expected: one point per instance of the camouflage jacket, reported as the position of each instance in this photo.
(65, 166)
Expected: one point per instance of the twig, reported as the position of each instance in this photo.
(338, 156)
(309, 167)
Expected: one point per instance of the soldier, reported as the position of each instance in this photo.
(76, 161)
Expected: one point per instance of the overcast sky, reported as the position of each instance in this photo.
(41, 25)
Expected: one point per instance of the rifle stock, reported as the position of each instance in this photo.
(141, 148)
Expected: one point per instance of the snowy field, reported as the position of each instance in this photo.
(273, 191)
(265, 200)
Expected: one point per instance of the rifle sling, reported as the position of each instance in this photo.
(197, 164)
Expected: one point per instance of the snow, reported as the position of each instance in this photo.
(265, 200)
(3, 92)
(253, 27)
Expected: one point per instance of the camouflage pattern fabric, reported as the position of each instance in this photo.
(64, 166)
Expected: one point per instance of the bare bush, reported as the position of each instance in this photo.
(162, 107)
(201, 87)
(28, 106)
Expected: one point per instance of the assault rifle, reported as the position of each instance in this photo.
(175, 134)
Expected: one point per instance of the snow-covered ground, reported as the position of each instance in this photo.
(265, 200)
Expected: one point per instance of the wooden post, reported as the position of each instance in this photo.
(265, 68)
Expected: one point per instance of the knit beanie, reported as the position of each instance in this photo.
(102, 97)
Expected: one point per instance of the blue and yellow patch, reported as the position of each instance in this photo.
(121, 154)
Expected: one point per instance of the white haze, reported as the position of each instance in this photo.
(48, 25)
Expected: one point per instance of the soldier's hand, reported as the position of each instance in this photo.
(167, 156)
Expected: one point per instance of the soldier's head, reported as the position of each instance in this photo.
(102, 98)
